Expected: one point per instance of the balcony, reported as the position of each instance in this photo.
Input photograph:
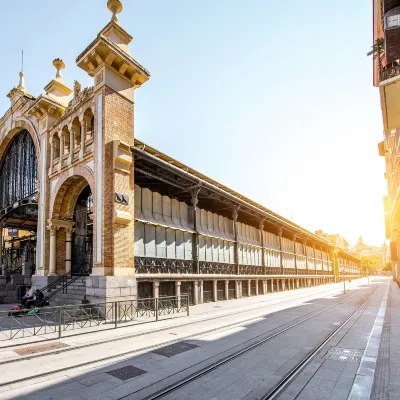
(389, 88)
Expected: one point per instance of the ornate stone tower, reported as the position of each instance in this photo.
(116, 76)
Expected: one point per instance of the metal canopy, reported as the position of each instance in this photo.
(158, 172)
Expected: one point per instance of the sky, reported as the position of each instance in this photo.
(272, 99)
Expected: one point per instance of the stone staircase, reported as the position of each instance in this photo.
(76, 294)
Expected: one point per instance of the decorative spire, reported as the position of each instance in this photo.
(59, 64)
(115, 6)
(21, 85)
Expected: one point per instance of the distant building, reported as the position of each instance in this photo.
(335, 239)
(375, 253)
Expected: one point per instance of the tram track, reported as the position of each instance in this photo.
(284, 382)
(166, 328)
(153, 347)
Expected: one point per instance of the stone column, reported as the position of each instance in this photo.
(62, 140)
(156, 289)
(201, 292)
(178, 293)
(215, 290)
(195, 236)
(53, 249)
(195, 293)
(237, 289)
(265, 288)
(235, 231)
(68, 249)
(83, 138)
(226, 290)
(71, 145)
(283, 285)
(298, 283)
(289, 284)
(256, 287)
(2, 270)
(249, 287)
(272, 286)
(51, 141)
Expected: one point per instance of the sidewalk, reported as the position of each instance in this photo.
(240, 307)
(386, 379)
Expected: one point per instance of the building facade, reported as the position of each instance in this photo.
(130, 219)
(386, 76)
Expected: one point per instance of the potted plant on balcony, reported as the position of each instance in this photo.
(378, 52)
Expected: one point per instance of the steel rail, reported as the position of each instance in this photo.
(172, 388)
(276, 391)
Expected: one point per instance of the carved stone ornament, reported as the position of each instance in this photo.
(77, 89)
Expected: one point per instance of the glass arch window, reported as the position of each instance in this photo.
(18, 170)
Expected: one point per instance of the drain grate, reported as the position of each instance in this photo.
(346, 355)
(174, 349)
(127, 372)
(23, 351)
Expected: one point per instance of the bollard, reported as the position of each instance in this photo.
(116, 314)
(59, 321)
(156, 308)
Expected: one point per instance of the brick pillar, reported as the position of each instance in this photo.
(113, 98)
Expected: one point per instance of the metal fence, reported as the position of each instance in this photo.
(64, 320)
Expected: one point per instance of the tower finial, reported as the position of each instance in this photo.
(21, 85)
(115, 6)
(59, 64)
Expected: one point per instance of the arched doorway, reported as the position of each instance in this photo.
(18, 205)
(82, 238)
(71, 223)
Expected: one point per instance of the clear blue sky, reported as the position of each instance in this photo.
(271, 98)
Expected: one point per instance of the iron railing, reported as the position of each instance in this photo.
(57, 321)
(151, 265)
(211, 267)
(390, 72)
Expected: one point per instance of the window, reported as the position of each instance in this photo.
(392, 21)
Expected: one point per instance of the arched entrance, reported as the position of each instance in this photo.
(18, 205)
(82, 238)
(71, 224)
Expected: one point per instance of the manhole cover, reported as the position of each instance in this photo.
(127, 372)
(23, 351)
(347, 355)
(174, 349)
